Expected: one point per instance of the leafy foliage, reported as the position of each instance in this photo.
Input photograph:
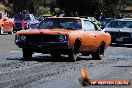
(83, 7)
(91, 7)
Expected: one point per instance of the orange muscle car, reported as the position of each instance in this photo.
(6, 25)
(64, 35)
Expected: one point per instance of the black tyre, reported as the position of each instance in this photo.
(27, 54)
(99, 54)
(72, 55)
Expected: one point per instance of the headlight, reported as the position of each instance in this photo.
(20, 38)
(23, 37)
(62, 38)
(17, 38)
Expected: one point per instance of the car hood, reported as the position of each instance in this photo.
(46, 31)
(118, 29)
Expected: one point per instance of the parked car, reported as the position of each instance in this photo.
(120, 30)
(6, 24)
(64, 35)
(29, 21)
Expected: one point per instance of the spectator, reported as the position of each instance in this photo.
(76, 14)
(101, 17)
(62, 14)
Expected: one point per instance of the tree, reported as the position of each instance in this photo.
(91, 7)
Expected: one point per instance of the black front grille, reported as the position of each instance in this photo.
(42, 38)
(120, 34)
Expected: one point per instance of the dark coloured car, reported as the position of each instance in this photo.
(120, 30)
(29, 22)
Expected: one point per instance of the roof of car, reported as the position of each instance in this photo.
(124, 19)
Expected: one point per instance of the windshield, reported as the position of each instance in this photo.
(120, 24)
(21, 17)
(61, 23)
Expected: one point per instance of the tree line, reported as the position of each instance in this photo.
(83, 7)
(92, 7)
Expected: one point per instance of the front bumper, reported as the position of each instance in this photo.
(43, 45)
(121, 37)
(121, 40)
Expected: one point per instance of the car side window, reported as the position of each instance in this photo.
(88, 26)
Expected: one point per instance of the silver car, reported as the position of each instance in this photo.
(120, 30)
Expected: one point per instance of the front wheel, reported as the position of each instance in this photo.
(99, 54)
(72, 55)
(27, 54)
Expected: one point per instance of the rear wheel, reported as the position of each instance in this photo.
(27, 53)
(99, 54)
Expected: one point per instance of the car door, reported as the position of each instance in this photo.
(91, 38)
